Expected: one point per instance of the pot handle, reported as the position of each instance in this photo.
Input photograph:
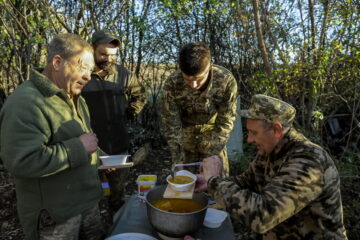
(142, 197)
(211, 201)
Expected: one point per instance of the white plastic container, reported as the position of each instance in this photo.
(114, 160)
(146, 182)
(182, 187)
(214, 218)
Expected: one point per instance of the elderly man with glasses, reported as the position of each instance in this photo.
(47, 144)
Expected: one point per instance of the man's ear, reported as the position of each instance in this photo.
(278, 130)
(57, 62)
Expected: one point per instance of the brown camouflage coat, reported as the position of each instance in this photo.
(199, 121)
(292, 194)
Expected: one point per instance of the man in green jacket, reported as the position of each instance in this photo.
(291, 189)
(199, 107)
(47, 144)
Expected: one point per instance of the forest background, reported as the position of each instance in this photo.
(306, 52)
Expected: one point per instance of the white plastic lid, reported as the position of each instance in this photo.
(146, 179)
(214, 218)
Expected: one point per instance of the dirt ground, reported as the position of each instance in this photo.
(157, 163)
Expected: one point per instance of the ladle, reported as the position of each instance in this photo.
(182, 165)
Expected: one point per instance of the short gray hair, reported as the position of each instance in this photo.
(67, 45)
(268, 125)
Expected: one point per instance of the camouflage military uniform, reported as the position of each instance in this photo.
(291, 193)
(86, 225)
(113, 99)
(197, 124)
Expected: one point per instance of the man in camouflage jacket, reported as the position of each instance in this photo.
(291, 189)
(199, 107)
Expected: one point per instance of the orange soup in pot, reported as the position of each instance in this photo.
(178, 205)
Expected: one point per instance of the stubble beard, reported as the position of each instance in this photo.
(109, 68)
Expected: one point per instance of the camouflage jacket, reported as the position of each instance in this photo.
(206, 117)
(292, 194)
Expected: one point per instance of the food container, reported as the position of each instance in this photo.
(214, 218)
(182, 187)
(114, 160)
(146, 182)
(173, 224)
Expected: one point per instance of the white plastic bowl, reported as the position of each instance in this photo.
(182, 187)
(114, 160)
(214, 218)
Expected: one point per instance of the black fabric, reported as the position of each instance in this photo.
(108, 119)
(2, 97)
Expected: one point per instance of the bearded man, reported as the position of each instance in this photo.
(113, 95)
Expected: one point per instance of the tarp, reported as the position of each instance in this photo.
(235, 143)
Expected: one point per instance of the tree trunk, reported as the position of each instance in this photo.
(302, 27)
(212, 33)
(133, 30)
(324, 24)
(272, 38)
(260, 39)
(141, 37)
(313, 31)
(311, 88)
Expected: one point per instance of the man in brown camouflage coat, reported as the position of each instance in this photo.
(199, 107)
(291, 189)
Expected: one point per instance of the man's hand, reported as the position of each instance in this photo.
(201, 183)
(90, 142)
(211, 166)
(109, 170)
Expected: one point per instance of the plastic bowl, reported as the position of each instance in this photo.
(214, 218)
(114, 160)
(182, 187)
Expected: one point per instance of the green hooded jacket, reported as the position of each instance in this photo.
(39, 145)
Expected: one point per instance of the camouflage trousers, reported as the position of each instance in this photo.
(86, 226)
(117, 180)
(191, 142)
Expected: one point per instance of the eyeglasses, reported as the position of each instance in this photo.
(84, 68)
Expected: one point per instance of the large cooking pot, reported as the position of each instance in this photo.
(174, 224)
